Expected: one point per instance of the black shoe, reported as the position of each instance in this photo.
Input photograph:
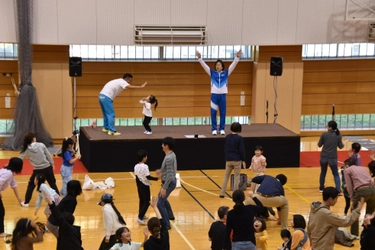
(169, 228)
(221, 196)
(171, 218)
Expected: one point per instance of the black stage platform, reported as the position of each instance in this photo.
(104, 153)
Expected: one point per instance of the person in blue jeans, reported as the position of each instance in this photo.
(108, 94)
(66, 170)
(219, 89)
(330, 141)
(168, 172)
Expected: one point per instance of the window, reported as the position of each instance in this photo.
(344, 121)
(119, 52)
(341, 50)
(8, 50)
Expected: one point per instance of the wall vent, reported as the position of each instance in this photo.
(170, 35)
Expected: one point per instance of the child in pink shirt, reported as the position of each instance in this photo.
(258, 162)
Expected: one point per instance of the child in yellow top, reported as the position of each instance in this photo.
(261, 235)
(258, 162)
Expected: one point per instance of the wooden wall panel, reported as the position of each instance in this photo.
(349, 84)
(182, 88)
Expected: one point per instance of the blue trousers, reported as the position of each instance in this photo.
(218, 101)
(66, 175)
(164, 206)
(106, 104)
(332, 162)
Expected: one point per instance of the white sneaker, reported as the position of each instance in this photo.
(145, 132)
(24, 205)
(145, 217)
(141, 222)
(222, 132)
(148, 133)
(214, 132)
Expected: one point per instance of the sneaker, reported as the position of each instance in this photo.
(141, 222)
(171, 218)
(320, 191)
(148, 133)
(222, 132)
(341, 194)
(214, 132)
(221, 196)
(145, 132)
(114, 133)
(105, 130)
(24, 205)
(145, 217)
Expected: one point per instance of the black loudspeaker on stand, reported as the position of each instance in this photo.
(276, 67)
(75, 66)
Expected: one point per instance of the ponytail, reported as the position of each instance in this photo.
(153, 226)
(238, 198)
(154, 100)
(333, 126)
(119, 217)
(27, 140)
(238, 207)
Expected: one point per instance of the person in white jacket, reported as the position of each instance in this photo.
(41, 159)
(219, 89)
(112, 220)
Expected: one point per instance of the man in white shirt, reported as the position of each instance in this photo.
(107, 95)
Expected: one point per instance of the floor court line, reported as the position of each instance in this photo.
(214, 182)
(182, 235)
(296, 193)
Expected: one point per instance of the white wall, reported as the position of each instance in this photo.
(247, 22)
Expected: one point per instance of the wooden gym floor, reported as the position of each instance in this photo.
(193, 205)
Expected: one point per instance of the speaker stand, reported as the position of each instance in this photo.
(75, 104)
(275, 114)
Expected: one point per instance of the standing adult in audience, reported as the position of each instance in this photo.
(108, 94)
(219, 89)
(235, 157)
(330, 140)
(41, 159)
(271, 194)
(359, 184)
(323, 222)
(240, 221)
(168, 179)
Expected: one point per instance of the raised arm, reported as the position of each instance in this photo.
(204, 65)
(136, 86)
(233, 65)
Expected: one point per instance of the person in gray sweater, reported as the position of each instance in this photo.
(168, 172)
(41, 160)
(330, 140)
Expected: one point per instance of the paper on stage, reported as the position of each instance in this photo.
(195, 136)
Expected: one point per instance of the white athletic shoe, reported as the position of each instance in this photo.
(141, 222)
(24, 205)
(148, 133)
(214, 132)
(222, 132)
(145, 132)
(145, 217)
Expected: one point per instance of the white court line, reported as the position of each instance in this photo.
(131, 173)
(200, 189)
(182, 236)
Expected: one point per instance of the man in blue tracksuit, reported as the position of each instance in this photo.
(219, 89)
